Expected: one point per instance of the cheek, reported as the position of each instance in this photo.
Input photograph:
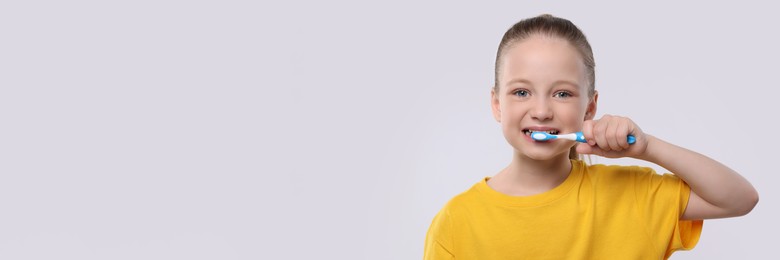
(511, 117)
(574, 114)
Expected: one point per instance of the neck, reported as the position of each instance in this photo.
(525, 176)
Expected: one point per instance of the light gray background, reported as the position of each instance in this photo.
(330, 129)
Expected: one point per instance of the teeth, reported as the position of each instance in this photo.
(552, 132)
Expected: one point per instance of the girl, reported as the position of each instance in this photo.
(546, 204)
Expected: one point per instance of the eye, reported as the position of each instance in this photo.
(520, 93)
(562, 94)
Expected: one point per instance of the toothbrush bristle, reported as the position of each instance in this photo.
(539, 136)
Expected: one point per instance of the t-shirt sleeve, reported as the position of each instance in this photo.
(662, 199)
(438, 241)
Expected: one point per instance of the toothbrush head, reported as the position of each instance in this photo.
(542, 136)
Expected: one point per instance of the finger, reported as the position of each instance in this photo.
(599, 132)
(623, 131)
(611, 134)
(587, 131)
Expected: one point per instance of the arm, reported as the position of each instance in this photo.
(716, 190)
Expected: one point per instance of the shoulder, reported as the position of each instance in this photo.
(463, 201)
(612, 171)
(620, 173)
(454, 207)
(464, 198)
(617, 169)
(644, 179)
(439, 242)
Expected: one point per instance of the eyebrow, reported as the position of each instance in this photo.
(519, 81)
(557, 82)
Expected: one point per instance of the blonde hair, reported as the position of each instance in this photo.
(551, 26)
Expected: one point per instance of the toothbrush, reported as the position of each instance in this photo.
(544, 136)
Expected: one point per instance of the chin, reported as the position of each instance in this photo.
(535, 153)
(542, 156)
(538, 151)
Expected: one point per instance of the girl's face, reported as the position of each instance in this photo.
(543, 87)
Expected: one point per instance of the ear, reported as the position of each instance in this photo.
(590, 113)
(495, 105)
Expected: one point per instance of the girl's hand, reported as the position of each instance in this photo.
(607, 137)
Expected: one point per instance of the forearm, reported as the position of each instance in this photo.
(712, 181)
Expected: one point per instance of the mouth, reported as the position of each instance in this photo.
(529, 131)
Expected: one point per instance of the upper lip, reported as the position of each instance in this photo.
(540, 128)
(546, 129)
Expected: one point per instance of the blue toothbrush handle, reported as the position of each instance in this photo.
(581, 138)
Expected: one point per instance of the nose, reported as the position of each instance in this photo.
(541, 110)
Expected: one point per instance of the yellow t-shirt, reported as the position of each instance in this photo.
(598, 212)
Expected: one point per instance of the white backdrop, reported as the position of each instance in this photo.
(330, 129)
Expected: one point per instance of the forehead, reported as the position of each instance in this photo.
(542, 60)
